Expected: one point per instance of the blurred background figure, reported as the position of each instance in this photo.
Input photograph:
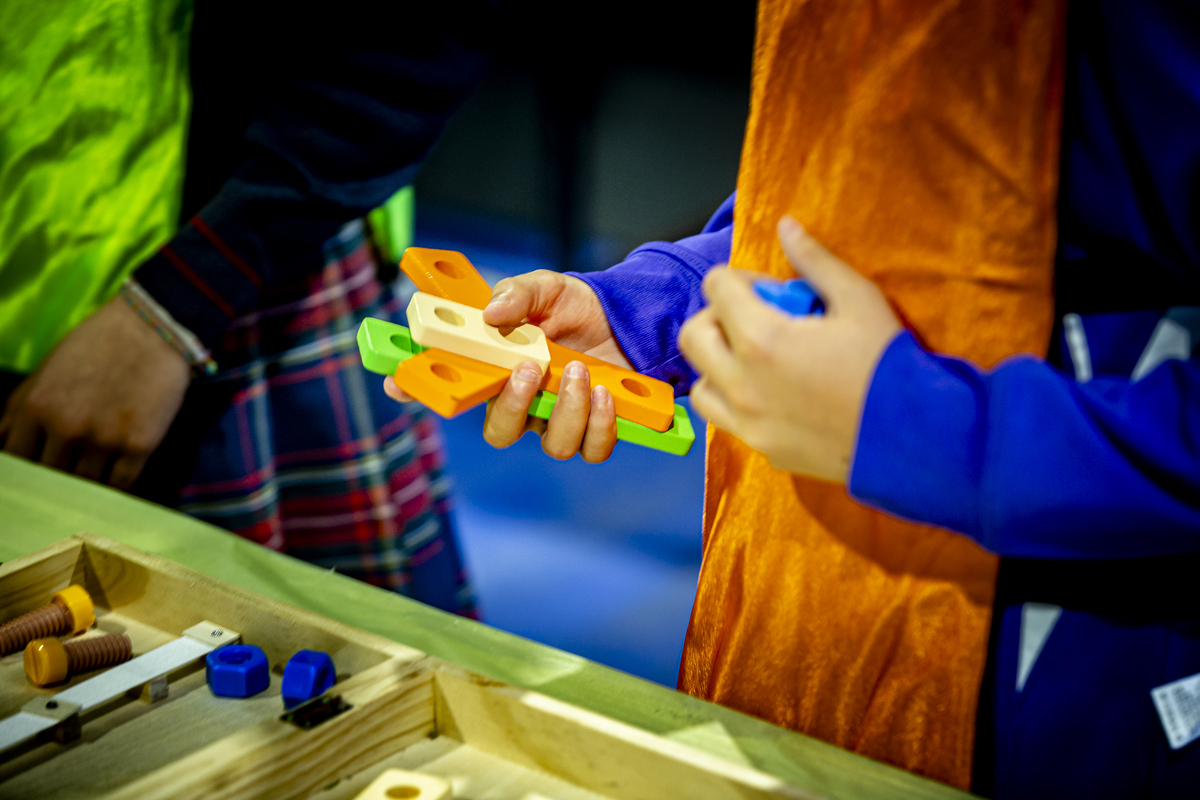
(218, 372)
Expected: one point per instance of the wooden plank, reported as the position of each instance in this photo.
(393, 708)
(589, 750)
(28, 582)
(471, 772)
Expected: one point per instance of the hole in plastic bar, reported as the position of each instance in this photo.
(449, 317)
(448, 269)
(635, 387)
(446, 372)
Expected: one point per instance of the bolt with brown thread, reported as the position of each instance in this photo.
(52, 661)
(70, 611)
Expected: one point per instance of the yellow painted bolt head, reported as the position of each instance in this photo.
(78, 604)
(45, 661)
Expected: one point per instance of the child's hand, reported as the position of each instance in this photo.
(583, 420)
(792, 388)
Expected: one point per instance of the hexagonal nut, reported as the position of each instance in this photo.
(307, 675)
(237, 670)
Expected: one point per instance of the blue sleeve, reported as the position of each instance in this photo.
(649, 295)
(1029, 463)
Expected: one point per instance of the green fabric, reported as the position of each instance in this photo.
(392, 224)
(94, 104)
(39, 506)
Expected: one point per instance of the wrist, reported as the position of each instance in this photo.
(177, 336)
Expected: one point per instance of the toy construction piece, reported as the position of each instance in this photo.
(388, 349)
(460, 329)
(793, 297)
(69, 611)
(410, 785)
(63, 710)
(448, 275)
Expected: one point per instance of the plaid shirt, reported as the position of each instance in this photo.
(310, 457)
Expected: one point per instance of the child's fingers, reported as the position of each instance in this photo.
(601, 435)
(528, 296)
(831, 277)
(702, 342)
(741, 313)
(506, 417)
(569, 419)
(710, 403)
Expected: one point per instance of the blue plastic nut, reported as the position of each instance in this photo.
(307, 675)
(237, 670)
(793, 297)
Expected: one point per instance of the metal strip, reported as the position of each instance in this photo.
(196, 642)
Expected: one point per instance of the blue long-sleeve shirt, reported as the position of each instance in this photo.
(1082, 471)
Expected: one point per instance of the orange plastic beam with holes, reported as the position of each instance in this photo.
(638, 398)
(449, 383)
(446, 274)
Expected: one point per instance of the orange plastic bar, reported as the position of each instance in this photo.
(449, 383)
(446, 274)
(638, 398)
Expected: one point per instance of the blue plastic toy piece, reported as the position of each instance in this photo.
(793, 297)
(307, 675)
(237, 670)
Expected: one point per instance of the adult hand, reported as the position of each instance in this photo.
(106, 394)
(583, 420)
(790, 387)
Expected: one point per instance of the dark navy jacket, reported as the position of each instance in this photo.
(1082, 472)
(302, 120)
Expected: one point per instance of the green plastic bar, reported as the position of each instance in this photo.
(383, 345)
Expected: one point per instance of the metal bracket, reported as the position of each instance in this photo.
(64, 716)
(320, 709)
(148, 670)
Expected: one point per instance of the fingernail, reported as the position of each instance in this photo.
(789, 225)
(600, 397)
(576, 370)
(499, 300)
(528, 373)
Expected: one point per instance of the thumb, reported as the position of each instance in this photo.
(832, 278)
(528, 296)
(509, 304)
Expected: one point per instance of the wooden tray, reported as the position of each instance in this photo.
(490, 740)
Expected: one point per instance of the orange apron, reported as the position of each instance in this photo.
(919, 142)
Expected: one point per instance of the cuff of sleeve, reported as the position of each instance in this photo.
(179, 337)
(922, 439)
(647, 298)
(202, 287)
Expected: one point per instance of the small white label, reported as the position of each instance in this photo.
(1178, 705)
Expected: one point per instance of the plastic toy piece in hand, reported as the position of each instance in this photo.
(446, 274)
(794, 297)
(449, 383)
(636, 397)
(449, 275)
(387, 348)
(458, 328)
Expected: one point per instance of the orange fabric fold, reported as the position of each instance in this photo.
(919, 142)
